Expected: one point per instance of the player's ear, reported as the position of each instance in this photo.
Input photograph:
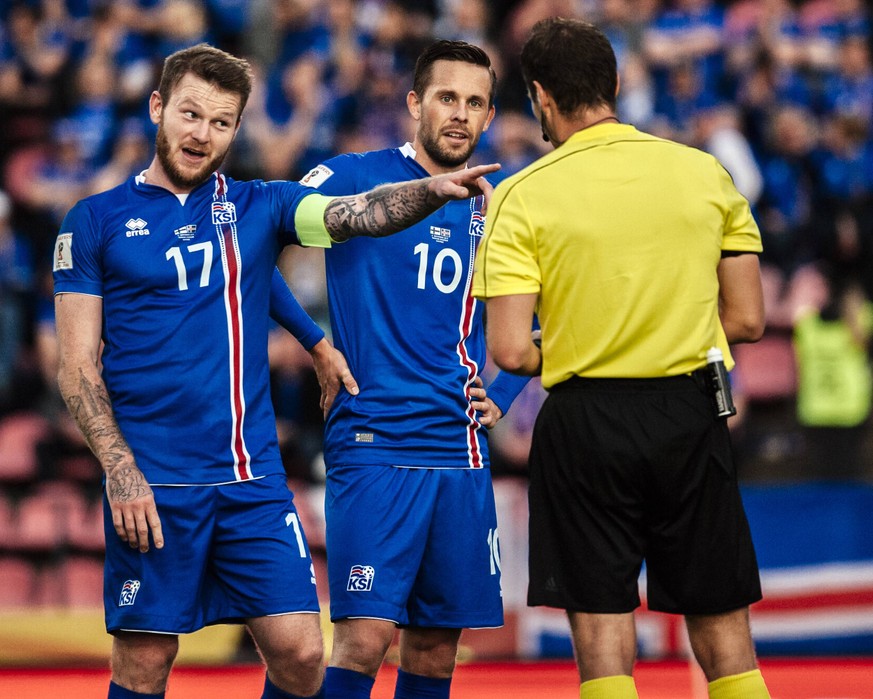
(540, 95)
(413, 104)
(156, 106)
(491, 112)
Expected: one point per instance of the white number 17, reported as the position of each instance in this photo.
(175, 254)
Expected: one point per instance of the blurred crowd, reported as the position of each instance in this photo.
(780, 91)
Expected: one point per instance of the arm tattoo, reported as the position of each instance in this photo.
(91, 408)
(381, 211)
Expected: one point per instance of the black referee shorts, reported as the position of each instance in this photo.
(627, 470)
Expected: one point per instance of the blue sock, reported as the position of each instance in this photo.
(340, 683)
(271, 691)
(411, 686)
(118, 692)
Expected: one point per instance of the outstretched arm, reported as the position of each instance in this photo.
(391, 208)
(130, 496)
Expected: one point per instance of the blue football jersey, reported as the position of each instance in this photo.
(186, 290)
(402, 313)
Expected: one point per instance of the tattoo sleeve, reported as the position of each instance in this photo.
(89, 404)
(381, 211)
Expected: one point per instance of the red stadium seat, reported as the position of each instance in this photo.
(20, 433)
(42, 520)
(766, 370)
(83, 468)
(80, 582)
(19, 582)
(86, 528)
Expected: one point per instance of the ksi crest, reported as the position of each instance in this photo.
(477, 220)
(361, 578)
(223, 212)
(128, 593)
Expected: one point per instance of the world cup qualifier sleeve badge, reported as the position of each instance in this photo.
(361, 578)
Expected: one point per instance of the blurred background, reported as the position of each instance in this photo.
(780, 91)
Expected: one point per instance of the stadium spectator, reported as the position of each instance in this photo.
(785, 207)
(689, 34)
(93, 118)
(34, 57)
(835, 386)
(849, 90)
(16, 283)
(717, 131)
(128, 53)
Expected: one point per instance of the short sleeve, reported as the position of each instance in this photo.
(741, 233)
(77, 266)
(507, 261)
(337, 176)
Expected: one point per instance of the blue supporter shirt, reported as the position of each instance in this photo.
(186, 293)
(402, 313)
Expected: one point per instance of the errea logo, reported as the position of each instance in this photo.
(136, 227)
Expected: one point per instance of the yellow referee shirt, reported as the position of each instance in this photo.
(620, 233)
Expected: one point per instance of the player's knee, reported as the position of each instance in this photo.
(722, 643)
(305, 657)
(429, 652)
(300, 671)
(361, 644)
(310, 656)
(142, 662)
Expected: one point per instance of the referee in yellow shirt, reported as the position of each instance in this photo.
(638, 255)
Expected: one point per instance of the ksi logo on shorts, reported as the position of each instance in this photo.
(361, 578)
(128, 593)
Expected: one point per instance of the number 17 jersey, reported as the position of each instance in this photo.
(185, 284)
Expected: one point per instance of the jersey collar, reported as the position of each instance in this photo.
(601, 131)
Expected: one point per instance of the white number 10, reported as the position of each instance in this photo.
(175, 254)
(437, 274)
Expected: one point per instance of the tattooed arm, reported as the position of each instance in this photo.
(79, 319)
(393, 207)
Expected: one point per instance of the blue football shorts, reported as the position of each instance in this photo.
(418, 547)
(231, 552)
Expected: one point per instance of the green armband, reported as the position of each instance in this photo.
(309, 221)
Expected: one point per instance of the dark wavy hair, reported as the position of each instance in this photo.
(574, 61)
